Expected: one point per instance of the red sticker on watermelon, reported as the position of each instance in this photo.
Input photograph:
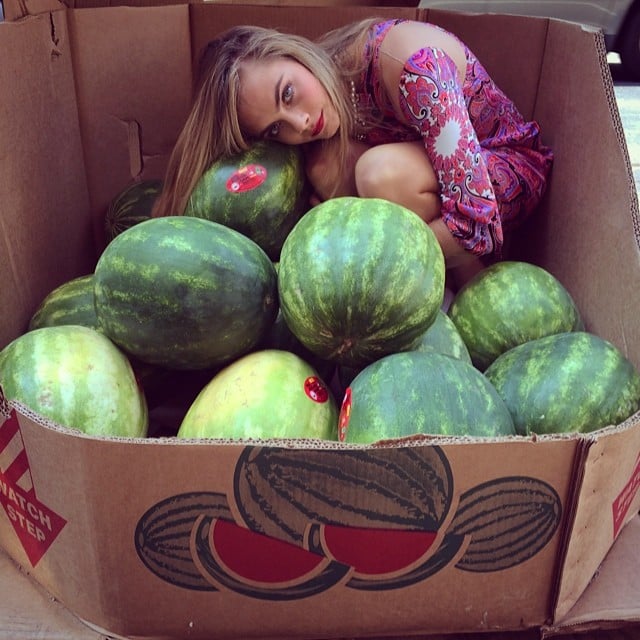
(345, 414)
(246, 178)
(316, 389)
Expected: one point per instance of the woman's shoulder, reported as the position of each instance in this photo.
(400, 40)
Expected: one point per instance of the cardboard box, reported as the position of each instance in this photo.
(163, 539)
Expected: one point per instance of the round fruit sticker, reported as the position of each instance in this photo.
(345, 413)
(246, 178)
(316, 389)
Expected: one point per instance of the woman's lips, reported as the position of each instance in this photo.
(319, 125)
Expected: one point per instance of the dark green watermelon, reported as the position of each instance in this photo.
(573, 381)
(443, 337)
(69, 303)
(414, 392)
(131, 206)
(507, 304)
(360, 278)
(260, 193)
(185, 293)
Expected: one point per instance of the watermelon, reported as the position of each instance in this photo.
(76, 377)
(443, 337)
(567, 382)
(131, 206)
(73, 303)
(185, 293)
(507, 304)
(69, 303)
(260, 193)
(279, 336)
(265, 394)
(415, 392)
(360, 278)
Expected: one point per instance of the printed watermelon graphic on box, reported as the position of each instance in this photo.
(300, 522)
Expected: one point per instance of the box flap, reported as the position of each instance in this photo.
(611, 599)
(608, 498)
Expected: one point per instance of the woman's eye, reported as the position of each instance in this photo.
(287, 94)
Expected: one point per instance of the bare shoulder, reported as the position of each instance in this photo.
(405, 38)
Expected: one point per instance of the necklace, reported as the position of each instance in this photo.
(358, 119)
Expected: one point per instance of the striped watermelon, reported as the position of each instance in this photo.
(279, 336)
(260, 192)
(573, 381)
(185, 293)
(76, 377)
(510, 303)
(131, 206)
(443, 337)
(415, 392)
(359, 279)
(70, 303)
(73, 303)
(266, 394)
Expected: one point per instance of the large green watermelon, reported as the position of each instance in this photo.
(76, 377)
(507, 304)
(69, 303)
(132, 205)
(185, 293)
(266, 394)
(260, 192)
(573, 381)
(73, 303)
(415, 392)
(359, 279)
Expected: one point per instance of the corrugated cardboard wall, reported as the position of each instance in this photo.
(590, 241)
(42, 170)
(133, 78)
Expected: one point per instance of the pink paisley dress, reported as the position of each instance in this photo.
(490, 163)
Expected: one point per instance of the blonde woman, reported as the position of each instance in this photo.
(393, 109)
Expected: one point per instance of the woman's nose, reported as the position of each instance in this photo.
(301, 121)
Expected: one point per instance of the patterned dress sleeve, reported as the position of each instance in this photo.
(432, 101)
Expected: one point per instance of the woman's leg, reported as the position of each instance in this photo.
(399, 172)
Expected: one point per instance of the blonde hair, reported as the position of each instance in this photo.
(212, 129)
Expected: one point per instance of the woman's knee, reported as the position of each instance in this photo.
(378, 171)
(401, 173)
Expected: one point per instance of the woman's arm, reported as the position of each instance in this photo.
(427, 94)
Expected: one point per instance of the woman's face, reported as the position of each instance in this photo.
(280, 99)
